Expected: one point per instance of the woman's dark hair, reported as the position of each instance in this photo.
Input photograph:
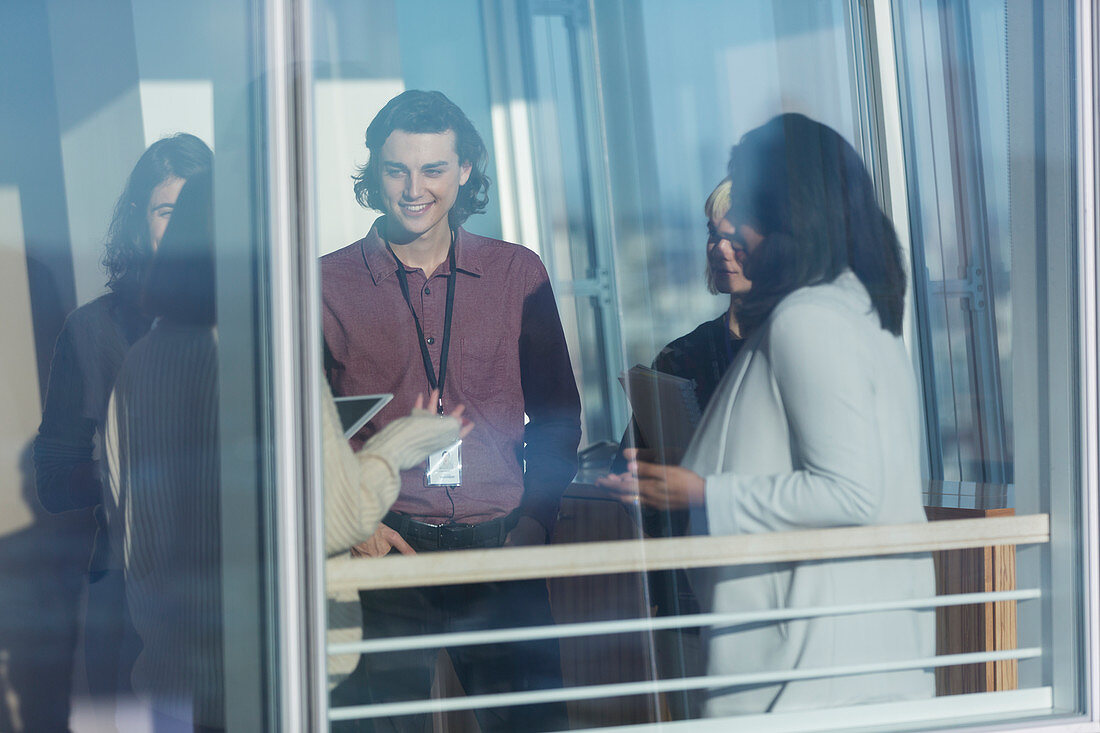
(128, 249)
(806, 191)
(180, 284)
(418, 111)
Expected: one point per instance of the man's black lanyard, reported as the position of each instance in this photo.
(429, 371)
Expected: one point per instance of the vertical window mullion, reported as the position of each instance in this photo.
(294, 302)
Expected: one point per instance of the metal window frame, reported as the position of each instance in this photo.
(300, 692)
(972, 289)
(1088, 211)
(976, 287)
(908, 228)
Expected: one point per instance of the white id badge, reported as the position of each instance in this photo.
(445, 467)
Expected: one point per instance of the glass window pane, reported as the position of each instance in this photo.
(134, 564)
(985, 302)
(606, 128)
(967, 239)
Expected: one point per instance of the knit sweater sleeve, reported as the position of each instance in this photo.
(358, 489)
(361, 487)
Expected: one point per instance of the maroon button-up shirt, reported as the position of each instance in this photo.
(507, 357)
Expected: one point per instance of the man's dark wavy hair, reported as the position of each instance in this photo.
(128, 249)
(419, 111)
(806, 191)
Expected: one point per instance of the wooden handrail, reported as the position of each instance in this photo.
(346, 575)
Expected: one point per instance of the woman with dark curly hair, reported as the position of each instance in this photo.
(87, 356)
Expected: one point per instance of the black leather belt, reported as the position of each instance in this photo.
(425, 537)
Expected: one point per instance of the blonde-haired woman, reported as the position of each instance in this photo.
(704, 354)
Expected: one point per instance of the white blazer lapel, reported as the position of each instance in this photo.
(705, 458)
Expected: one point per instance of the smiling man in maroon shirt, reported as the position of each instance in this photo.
(421, 303)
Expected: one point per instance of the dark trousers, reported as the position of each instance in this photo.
(111, 643)
(482, 669)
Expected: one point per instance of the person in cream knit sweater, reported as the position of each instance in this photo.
(361, 486)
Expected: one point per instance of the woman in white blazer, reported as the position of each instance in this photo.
(816, 424)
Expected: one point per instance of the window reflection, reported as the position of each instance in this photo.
(162, 452)
(105, 95)
(69, 471)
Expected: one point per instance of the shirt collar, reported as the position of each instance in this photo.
(468, 251)
(381, 264)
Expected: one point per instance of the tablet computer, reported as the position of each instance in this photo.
(357, 410)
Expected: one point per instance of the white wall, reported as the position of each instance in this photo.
(343, 109)
(19, 387)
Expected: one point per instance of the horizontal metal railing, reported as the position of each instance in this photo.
(630, 556)
(345, 576)
(930, 713)
(599, 628)
(649, 687)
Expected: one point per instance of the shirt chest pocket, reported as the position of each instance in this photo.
(486, 368)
